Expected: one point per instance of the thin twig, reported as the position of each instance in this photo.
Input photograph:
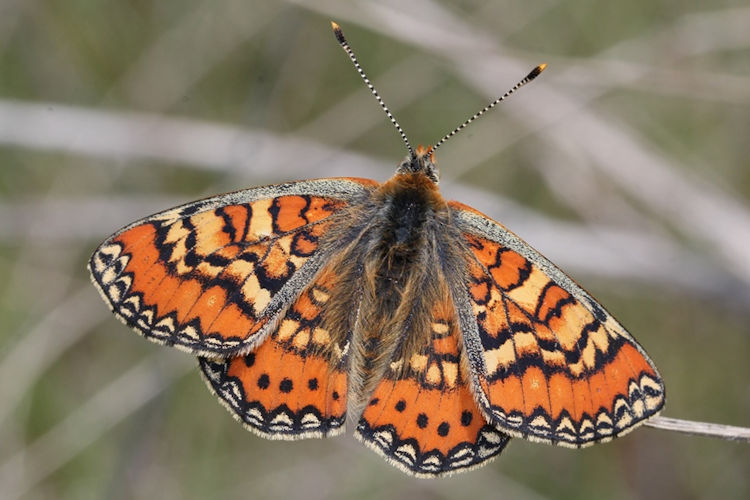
(728, 432)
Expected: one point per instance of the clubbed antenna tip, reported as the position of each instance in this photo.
(337, 31)
(533, 74)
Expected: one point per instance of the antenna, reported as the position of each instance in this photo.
(533, 74)
(345, 45)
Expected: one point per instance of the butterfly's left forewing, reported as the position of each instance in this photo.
(211, 276)
(548, 362)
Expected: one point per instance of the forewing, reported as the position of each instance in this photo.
(549, 363)
(423, 417)
(294, 384)
(210, 276)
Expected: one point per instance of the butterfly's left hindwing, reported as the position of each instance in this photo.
(294, 384)
(210, 276)
(548, 362)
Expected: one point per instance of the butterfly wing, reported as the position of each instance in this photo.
(422, 417)
(210, 276)
(294, 384)
(548, 362)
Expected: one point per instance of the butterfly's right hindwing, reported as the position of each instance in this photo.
(209, 276)
(422, 416)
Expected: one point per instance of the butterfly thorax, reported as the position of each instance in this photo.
(408, 202)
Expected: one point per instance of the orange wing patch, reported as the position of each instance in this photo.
(208, 281)
(422, 417)
(294, 384)
(553, 367)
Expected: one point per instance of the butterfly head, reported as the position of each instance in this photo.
(421, 161)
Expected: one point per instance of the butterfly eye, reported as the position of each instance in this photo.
(405, 166)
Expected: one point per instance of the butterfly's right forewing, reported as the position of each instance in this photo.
(211, 276)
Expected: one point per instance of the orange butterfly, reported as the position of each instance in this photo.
(440, 330)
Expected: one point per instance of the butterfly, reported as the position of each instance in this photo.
(436, 329)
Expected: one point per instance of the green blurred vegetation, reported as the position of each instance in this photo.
(275, 67)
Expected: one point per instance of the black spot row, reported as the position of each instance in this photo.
(422, 419)
(286, 385)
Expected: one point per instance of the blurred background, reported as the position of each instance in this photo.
(626, 163)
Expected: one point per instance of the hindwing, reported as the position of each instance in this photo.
(422, 416)
(294, 384)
